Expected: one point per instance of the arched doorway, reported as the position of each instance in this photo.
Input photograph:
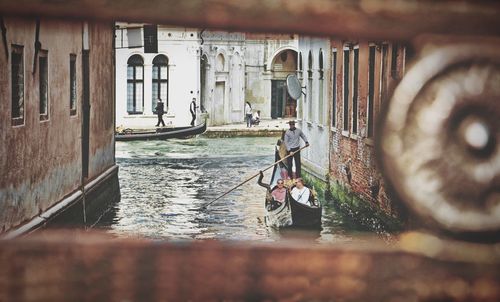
(283, 64)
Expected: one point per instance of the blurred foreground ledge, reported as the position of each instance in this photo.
(68, 266)
(364, 19)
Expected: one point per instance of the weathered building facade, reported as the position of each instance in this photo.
(222, 76)
(364, 74)
(57, 122)
(270, 58)
(314, 73)
(346, 82)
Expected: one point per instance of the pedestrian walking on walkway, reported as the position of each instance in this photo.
(292, 142)
(160, 110)
(248, 114)
(192, 109)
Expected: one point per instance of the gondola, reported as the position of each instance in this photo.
(291, 212)
(162, 133)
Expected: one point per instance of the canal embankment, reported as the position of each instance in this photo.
(266, 128)
(351, 204)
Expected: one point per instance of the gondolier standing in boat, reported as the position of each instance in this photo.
(292, 142)
(192, 109)
(160, 110)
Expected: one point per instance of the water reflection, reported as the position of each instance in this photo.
(164, 185)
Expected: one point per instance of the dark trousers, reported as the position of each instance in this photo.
(160, 120)
(289, 160)
(194, 119)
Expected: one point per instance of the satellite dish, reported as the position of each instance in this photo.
(293, 86)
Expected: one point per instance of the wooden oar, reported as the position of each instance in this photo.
(247, 180)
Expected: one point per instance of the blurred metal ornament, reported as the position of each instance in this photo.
(439, 139)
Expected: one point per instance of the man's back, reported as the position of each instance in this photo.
(159, 108)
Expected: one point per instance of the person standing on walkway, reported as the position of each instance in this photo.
(248, 114)
(292, 142)
(192, 109)
(160, 110)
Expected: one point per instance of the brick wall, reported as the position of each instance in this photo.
(352, 157)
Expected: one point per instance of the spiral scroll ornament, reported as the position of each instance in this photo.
(439, 139)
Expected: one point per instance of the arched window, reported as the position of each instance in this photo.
(221, 62)
(320, 64)
(135, 84)
(160, 81)
(310, 87)
(310, 65)
(321, 109)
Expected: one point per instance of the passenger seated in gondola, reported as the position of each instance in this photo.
(276, 195)
(301, 193)
(279, 192)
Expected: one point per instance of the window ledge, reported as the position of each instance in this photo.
(354, 136)
(140, 115)
(17, 121)
(333, 129)
(369, 141)
(345, 133)
(310, 124)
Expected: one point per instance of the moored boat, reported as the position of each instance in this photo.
(162, 133)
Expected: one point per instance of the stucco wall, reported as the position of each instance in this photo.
(224, 76)
(317, 130)
(41, 160)
(102, 152)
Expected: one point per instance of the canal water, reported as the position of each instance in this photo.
(164, 185)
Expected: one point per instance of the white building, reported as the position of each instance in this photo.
(222, 76)
(172, 74)
(313, 107)
(221, 70)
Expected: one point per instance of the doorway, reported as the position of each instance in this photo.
(220, 103)
(282, 105)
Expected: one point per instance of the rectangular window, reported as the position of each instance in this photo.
(309, 96)
(17, 82)
(384, 70)
(394, 61)
(371, 90)
(43, 84)
(334, 88)
(321, 109)
(355, 106)
(346, 91)
(72, 84)
(135, 89)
